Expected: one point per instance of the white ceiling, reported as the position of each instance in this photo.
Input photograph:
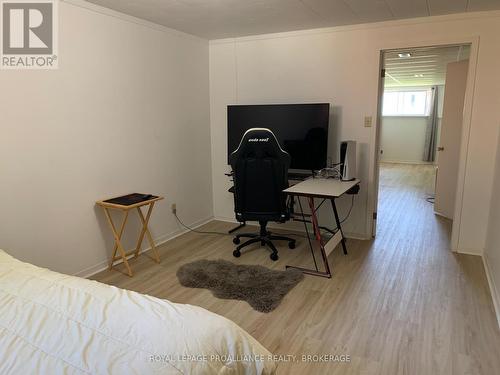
(213, 19)
(425, 66)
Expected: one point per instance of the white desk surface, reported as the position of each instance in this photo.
(321, 187)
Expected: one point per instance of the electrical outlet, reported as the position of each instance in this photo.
(368, 121)
(174, 208)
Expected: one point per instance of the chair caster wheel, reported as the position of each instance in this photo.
(236, 240)
(274, 256)
(291, 245)
(236, 253)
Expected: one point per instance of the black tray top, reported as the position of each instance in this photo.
(130, 199)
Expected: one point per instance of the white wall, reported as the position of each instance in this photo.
(492, 251)
(403, 137)
(340, 65)
(127, 111)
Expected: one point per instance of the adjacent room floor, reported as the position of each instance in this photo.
(400, 304)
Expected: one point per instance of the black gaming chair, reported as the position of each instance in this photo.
(260, 171)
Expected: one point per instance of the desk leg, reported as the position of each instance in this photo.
(118, 245)
(145, 231)
(327, 273)
(339, 225)
(317, 233)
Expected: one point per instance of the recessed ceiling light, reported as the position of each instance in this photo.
(418, 75)
(404, 55)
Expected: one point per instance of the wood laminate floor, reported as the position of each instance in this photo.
(400, 304)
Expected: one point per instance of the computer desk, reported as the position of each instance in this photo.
(326, 189)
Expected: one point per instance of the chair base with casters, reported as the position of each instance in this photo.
(264, 237)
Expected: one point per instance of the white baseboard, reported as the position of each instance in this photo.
(160, 240)
(103, 265)
(442, 215)
(357, 236)
(495, 296)
(417, 162)
(299, 228)
(468, 252)
(270, 225)
(226, 219)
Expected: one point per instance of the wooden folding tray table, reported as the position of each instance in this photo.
(126, 204)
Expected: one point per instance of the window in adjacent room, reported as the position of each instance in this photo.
(406, 103)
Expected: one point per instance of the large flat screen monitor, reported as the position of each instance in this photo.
(301, 129)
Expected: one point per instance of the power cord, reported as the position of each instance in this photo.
(199, 231)
(332, 172)
(223, 233)
(349, 212)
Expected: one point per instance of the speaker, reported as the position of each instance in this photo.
(348, 160)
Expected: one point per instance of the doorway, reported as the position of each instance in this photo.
(422, 101)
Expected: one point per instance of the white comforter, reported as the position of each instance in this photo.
(53, 324)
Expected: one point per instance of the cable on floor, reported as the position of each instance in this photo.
(223, 233)
(282, 233)
(200, 231)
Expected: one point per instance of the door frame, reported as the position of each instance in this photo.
(473, 41)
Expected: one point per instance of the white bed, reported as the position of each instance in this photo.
(53, 324)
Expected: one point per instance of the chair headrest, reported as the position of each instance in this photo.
(259, 138)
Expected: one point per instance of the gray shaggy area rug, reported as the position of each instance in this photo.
(261, 287)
